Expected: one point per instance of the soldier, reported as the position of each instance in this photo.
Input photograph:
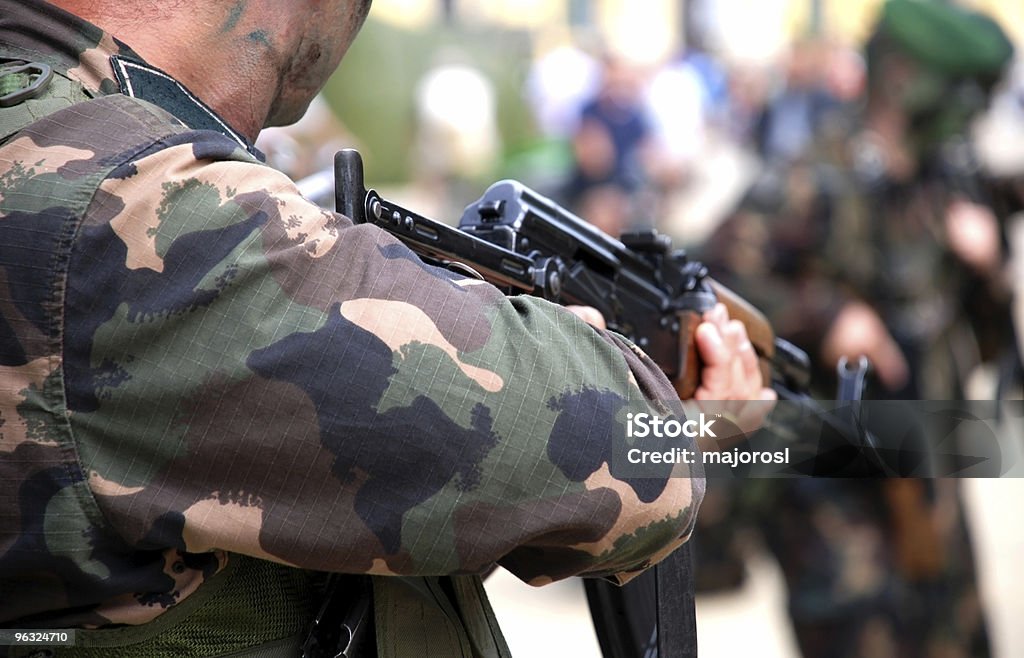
(214, 390)
(876, 245)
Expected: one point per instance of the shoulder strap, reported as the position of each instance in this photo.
(677, 613)
(652, 616)
(60, 93)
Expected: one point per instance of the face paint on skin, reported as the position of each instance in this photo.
(261, 37)
(233, 17)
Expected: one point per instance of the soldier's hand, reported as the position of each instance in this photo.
(730, 370)
(730, 376)
(972, 233)
(858, 330)
(588, 314)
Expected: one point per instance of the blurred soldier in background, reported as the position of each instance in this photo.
(879, 240)
(792, 118)
(612, 147)
(457, 139)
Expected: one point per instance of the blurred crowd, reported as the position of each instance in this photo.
(868, 212)
(869, 191)
(867, 197)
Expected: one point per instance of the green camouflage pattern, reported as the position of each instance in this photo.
(196, 362)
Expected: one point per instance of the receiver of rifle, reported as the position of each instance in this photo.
(525, 243)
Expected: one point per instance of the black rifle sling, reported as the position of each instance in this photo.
(677, 613)
(652, 616)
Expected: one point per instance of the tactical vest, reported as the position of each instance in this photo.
(253, 607)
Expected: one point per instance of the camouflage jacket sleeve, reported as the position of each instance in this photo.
(247, 372)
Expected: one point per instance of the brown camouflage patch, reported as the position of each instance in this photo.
(14, 381)
(36, 160)
(398, 324)
(158, 175)
(129, 609)
(304, 224)
(94, 64)
(104, 487)
(171, 169)
(316, 232)
(636, 515)
(136, 229)
(232, 525)
(380, 568)
(339, 276)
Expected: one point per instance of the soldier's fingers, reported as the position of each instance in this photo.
(718, 316)
(746, 365)
(713, 349)
(716, 383)
(704, 394)
(751, 370)
(588, 314)
(735, 334)
(716, 375)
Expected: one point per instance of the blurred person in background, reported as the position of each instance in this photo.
(612, 146)
(1000, 143)
(457, 142)
(677, 104)
(878, 241)
(793, 115)
(749, 91)
(682, 171)
(562, 77)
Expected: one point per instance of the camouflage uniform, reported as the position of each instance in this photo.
(198, 365)
(873, 568)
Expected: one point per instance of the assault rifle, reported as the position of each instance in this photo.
(649, 292)
(525, 243)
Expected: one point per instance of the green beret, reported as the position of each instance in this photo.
(950, 40)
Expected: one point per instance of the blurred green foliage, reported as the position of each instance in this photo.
(373, 89)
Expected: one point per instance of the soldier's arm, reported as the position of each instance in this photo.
(250, 373)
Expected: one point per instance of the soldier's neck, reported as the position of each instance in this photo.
(231, 70)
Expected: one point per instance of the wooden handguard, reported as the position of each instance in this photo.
(758, 330)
